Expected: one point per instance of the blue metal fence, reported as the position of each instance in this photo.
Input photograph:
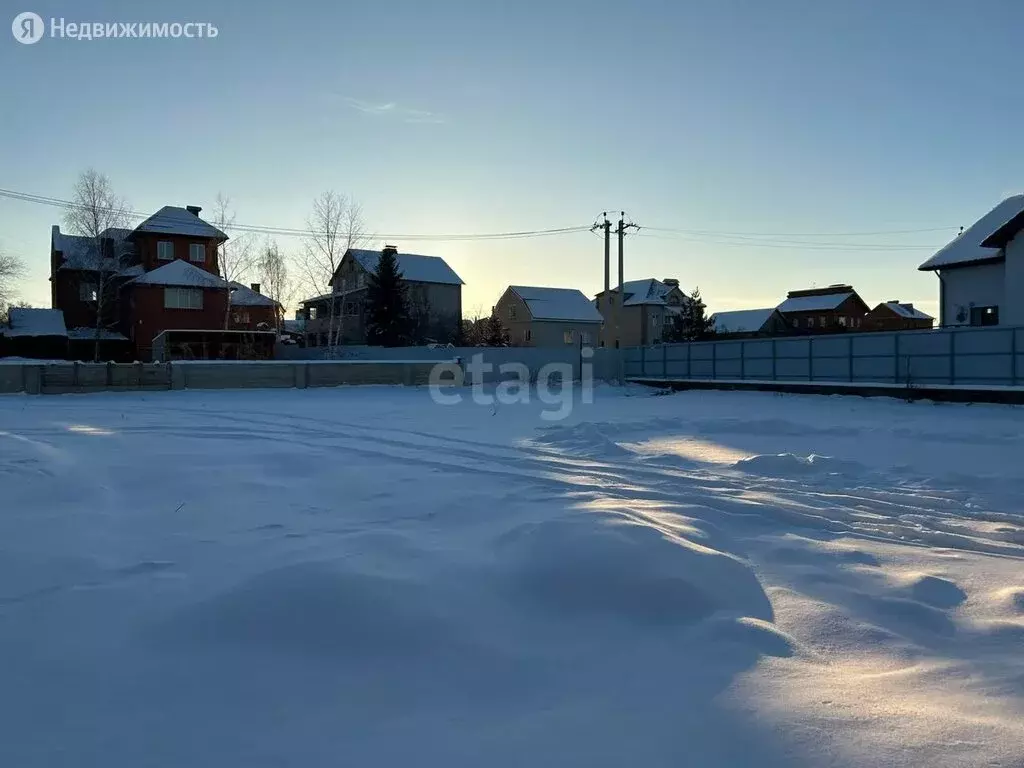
(947, 356)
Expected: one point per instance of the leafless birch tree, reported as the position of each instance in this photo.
(11, 269)
(335, 225)
(234, 256)
(275, 280)
(100, 215)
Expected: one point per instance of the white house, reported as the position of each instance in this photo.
(981, 272)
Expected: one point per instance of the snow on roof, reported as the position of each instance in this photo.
(79, 252)
(741, 320)
(967, 247)
(648, 291)
(908, 311)
(813, 303)
(414, 267)
(243, 296)
(35, 322)
(173, 220)
(557, 303)
(88, 334)
(180, 273)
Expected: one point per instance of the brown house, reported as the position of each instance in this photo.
(252, 311)
(434, 291)
(535, 316)
(894, 316)
(647, 308)
(160, 276)
(824, 310)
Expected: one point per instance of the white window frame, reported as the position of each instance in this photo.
(165, 247)
(192, 253)
(183, 298)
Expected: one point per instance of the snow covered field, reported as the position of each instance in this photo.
(361, 577)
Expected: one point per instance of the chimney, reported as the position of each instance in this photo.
(391, 248)
(193, 209)
(671, 281)
(255, 287)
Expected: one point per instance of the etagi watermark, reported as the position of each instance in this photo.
(514, 384)
(29, 28)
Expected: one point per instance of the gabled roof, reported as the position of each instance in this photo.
(647, 291)
(821, 302)
(171, 220)
(414, 267)
(243, 296)
(557, 303)
(35, 322)
(180, 273)
(906, 310)
(982, 241)
(742, 320)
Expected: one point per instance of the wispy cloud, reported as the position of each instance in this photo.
(393, 110)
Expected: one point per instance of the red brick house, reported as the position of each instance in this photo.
(160, 276)
(252, 311)
(894, 316)
(824, 310)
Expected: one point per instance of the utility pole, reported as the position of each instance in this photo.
(619, 308)
(607, 227)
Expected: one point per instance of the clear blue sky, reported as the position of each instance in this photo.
(764, 117)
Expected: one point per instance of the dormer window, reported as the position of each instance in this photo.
(196, 252)
(165, 250)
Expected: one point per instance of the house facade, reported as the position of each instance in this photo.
(897, 316)
(162, 275)
(250, 310)
(647, 307)
(981, 271)
(433, 289)
(535, 316)
(824, 310)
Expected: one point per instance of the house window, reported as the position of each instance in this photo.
(183, 298)
(512, 313)
(165, 250)
(810, 322)
(241, 317)
(842, 320)
(585, 337)
(823, 320)
(527, 336)
(984, 315)
(654, 321)
(196, 252)
(87, 291)
(568, 335)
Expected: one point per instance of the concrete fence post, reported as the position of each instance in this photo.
(774, 374)
(32, 379)
(810, 358)
(743, 359)
(664, 361)
(643, 360)
(849, 359)
(689, 366)
(714, 360)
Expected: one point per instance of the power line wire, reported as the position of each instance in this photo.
(296, 232)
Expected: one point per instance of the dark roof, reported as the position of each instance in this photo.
(414, 267)
(172, 220)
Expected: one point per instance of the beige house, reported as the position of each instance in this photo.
(648, 307)
(547, 317)
(434, 290)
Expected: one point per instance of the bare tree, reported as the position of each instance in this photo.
(272, 268)
(100, 215)
(11, 269)
(335, 225)
(234, 256)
